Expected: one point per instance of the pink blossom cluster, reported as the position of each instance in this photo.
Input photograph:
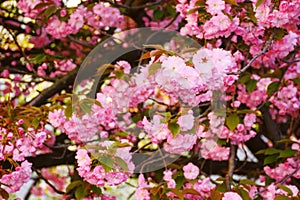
(272, 191)
(180, 143)
(202, 186)
(97, 175)
(287, 15)
(219, 25)
(287, 100)
(283, 169)
(141, 192)
(210, 149)
(161, 23)
(168, 178)
(15, 180)
(21, 144)
(28, 7)
(12, 85)
(100, 16)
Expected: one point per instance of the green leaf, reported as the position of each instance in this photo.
(192, 11)
(273, 87)
(222, 187)
(35, 122)
(179, 181)
(258, 3)
(42, 5)
(174, 128)
(280, 33)
(245, 78)
(73, 185)
(276, 74)
(281, 197)
(121, 134)
(96, 190)
(232, 121)
(158, 14)
(107, 162)
(85, 107)
(262, 151)
(171, 10)
(296, 81)
(271, 159)
(154, 68)
(177, 192)
(247, 182)
(49, 11)
(287, 153)
(244, 194)
(68, 111)
(221, 142)
(251, 85)
(81, 192)
(120, 162)
(38, 58)
(285, 188)
(271, 151)
(190, 191)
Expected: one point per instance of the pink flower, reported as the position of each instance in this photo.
(190, 171)
(57, 118)
(115, 178)
(76, 21)
(157, 131)
(231, 196)
(212, 150)
(249, 120)
(186, 122)
(215, 6)
(16, 179)
(140, 193)
(181, 143)
(167, 175)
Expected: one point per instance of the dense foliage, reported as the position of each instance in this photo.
(211, 112)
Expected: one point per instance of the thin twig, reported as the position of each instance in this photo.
(50, 184)
(80, 42)
(231, 166)
(280, 182)
(20, 49)
(264, 50)
(134, 7)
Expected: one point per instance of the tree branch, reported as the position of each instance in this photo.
(264, 50)
(58, 86)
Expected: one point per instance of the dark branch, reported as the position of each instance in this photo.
(58, 86)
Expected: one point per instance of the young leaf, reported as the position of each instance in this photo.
(158, 14)
(251, 85)
(174, 128)
(73, 185)
(232, 121)
(258, 3)
(273, 87)
(287, 153)
(154, 68)
(107, 162)
(119, 161)
(81, 192)
(285, 188)
(281, 197)
(97, 190)
(271, 159)
(271, 151)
